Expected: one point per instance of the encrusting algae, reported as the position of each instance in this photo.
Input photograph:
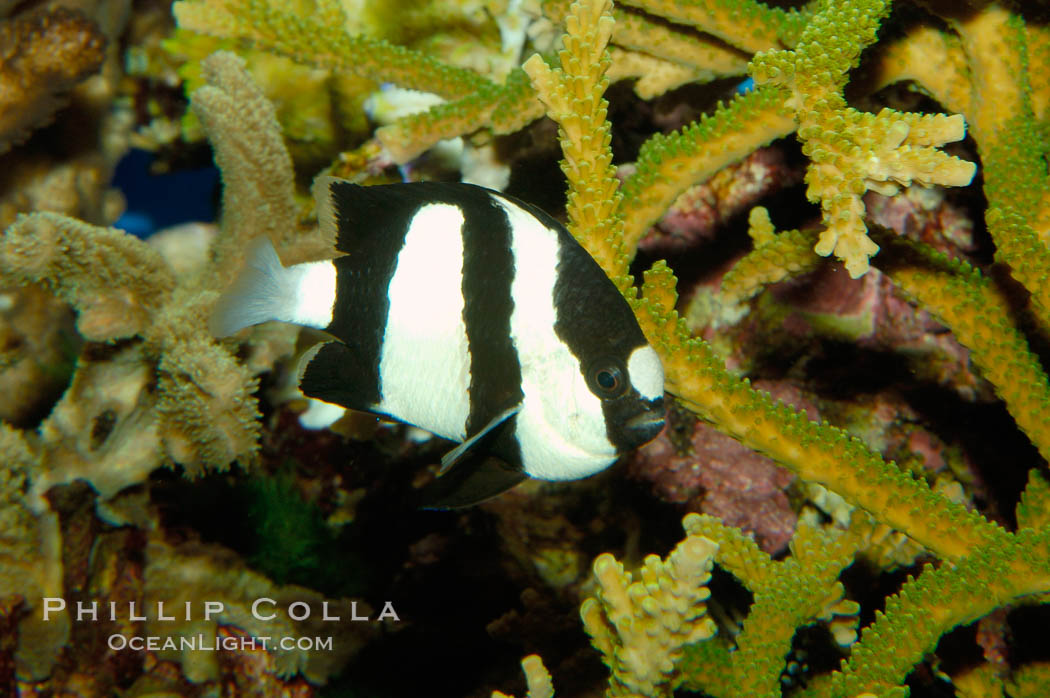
(150, 387)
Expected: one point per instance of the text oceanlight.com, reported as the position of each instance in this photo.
(206, 643)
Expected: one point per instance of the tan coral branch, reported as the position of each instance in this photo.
(257, 172)
(116, 282)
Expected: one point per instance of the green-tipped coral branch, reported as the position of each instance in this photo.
(900, 148)
(775, 257)
(1008, 81)
(787, 595)
(174, 394)
(980, 317)
(573, 95)
(954, 292)
(504, 108)
(819, 453)
(936, 601)
(668, 165)
(852, 151)
(746, 24)
(321, 40)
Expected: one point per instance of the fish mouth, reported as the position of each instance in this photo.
(644, 427)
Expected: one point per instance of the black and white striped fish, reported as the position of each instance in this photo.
(469, 314)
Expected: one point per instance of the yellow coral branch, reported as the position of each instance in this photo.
(661, 55)
(1013, 146)
(653, 76)
(991, 38)
(537, 679)
(851, 151)
(1033, 511)
(816, 452)
(641, 626)
(710, 58)
(668, 165)
(746, 24)
(787, 595)
(932, 58)
(738, 553)
(319, 39)
(980, 318)
(505, 108)
(1037, 37)
(939, 600)
(776, 257)
(573, 96)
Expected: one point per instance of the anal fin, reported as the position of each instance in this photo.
(456, 454)
(483, 477)
(477, 474)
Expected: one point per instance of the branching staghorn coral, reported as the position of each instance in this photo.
(669, 164)
(851, 151)
(319, 39)
(641, 627)
(978, 549)
(205, 416)
(954, 292)
(661, 55)
(537, 679)
(787, 595)
(696, 375)
(573, 96)
(775, 257)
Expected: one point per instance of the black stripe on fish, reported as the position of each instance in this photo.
(601, 338)
(488, 270)
(370, 224)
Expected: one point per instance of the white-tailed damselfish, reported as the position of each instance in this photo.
(469, 314)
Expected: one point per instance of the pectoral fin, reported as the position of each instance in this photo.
(470, 483)
(457, 454)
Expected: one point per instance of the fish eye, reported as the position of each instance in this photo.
(607, 379)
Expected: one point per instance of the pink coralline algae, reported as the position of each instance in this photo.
(698, 214)
(874, 313)
(696, 465)
(925, 214)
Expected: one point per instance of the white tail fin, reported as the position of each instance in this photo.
(264, 291)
